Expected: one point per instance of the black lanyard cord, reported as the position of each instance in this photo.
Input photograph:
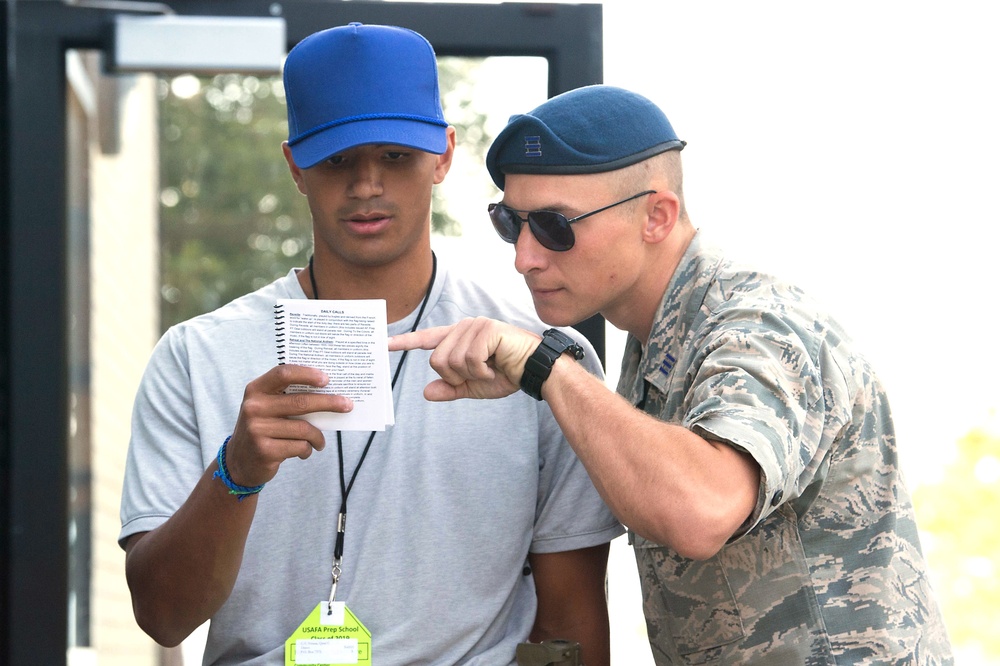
(345, 488)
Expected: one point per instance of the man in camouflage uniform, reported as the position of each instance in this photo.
(751, 452)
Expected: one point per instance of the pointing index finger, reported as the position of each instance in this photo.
(428, 338)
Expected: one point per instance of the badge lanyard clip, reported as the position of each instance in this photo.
(338, 552)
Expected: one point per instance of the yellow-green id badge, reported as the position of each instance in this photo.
(330, 636)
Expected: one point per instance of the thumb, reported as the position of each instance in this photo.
(441, 391)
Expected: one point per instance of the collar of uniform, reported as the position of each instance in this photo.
(678, 312)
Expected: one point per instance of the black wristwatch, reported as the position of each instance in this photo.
(537, 368)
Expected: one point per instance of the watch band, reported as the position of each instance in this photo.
(538, 367)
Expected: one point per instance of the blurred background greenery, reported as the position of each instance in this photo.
(957, 516)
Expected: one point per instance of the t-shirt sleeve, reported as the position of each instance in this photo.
(570, 514)
(164, 460)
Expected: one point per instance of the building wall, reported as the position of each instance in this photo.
(124, 279)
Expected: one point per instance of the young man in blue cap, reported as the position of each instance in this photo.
(472, 527)
(749, 449)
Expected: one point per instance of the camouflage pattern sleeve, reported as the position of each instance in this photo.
(828, 570)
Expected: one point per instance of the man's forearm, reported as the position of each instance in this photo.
(182, 572)
(572, 603)
(662, 480)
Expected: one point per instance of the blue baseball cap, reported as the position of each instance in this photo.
(587, 130)
(361, 84)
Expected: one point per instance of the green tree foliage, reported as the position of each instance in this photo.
(957, 516)
(231, 219)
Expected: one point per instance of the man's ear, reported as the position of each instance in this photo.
(444, 159)
(295, 170)
(662, 210)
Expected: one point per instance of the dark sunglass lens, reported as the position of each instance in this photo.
(552, 230)
(505, 221)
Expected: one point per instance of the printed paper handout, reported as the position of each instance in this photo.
(347, 340)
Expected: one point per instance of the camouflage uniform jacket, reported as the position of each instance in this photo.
(828, 568)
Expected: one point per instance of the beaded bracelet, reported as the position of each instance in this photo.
(223, 473)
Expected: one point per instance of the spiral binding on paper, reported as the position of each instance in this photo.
(279, 332)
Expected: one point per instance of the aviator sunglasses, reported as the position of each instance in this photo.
(550, 228)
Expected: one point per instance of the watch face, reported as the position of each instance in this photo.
(557, 339)
(558, 336)
(560, 342)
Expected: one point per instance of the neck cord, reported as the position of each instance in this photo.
(345, 488)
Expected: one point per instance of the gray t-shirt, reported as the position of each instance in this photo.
(448, 504)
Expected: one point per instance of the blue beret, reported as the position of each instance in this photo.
(588, 130)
